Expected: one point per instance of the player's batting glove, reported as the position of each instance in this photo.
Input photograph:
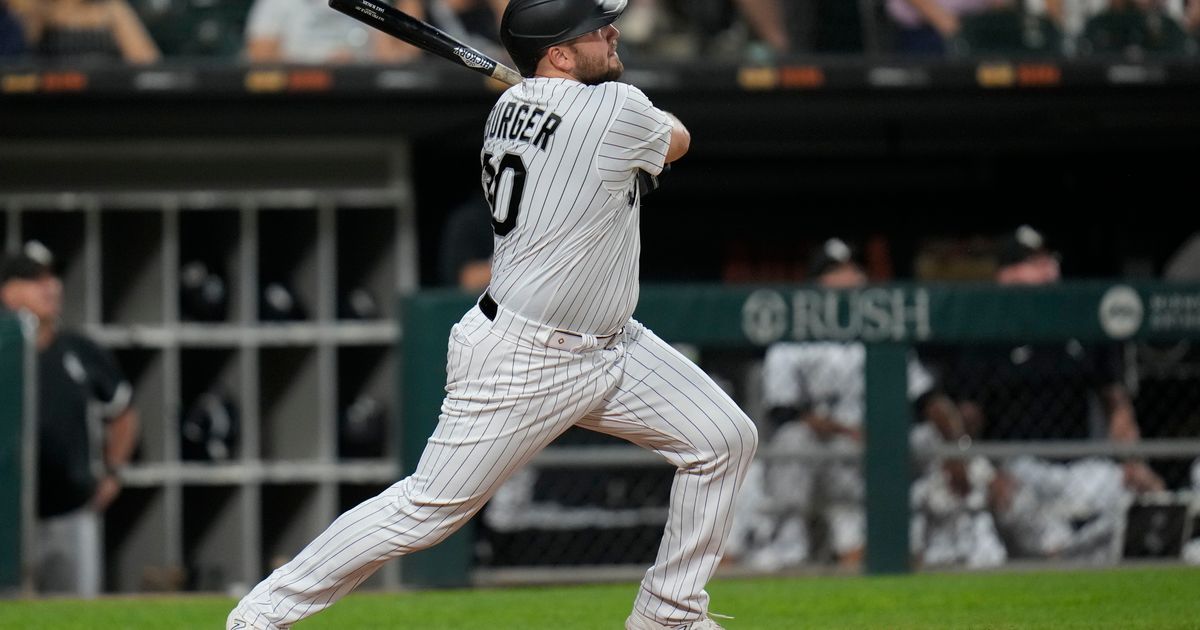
(648, 183)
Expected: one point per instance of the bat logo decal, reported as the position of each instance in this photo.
(471, 58)
(371, 12)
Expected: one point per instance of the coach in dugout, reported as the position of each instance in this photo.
(80, 387)
(1050, 391)
(814, 394)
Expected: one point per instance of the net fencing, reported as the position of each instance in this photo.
(1066, 440)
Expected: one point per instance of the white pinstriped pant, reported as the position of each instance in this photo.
(508, 395)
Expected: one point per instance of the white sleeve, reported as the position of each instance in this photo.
(920, 381)
(638, 138)
(266, 19)
(783, 378)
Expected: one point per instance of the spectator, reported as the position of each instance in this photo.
(308, 31)
(74, 376)
(755, 29)
(12, 33)
(1113, 25)
(1068, 16)
(641, 22)
(786, 27)
(1135, 27)
(1049, 392)
(805, 26)
(476, 22)
(767, 19)
(815, 395)
(86, 30)
(925, 26)
(1071, 16)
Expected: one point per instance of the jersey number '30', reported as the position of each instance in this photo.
(503, 189)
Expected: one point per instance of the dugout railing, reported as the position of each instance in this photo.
(18, 453)
(888, 319)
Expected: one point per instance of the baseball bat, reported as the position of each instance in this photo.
(380, 15)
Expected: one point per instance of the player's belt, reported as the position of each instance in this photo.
(488, 306)
(563, 339)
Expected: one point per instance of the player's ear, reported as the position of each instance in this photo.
(561, 58)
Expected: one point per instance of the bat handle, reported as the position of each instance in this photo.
(507, 75)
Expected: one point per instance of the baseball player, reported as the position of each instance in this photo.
(87, 429)
(551, 344)
(814, 391)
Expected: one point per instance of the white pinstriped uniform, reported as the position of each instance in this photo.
(567, 260)
(827, 378)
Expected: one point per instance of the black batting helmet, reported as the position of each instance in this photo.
(531, 26)
(832, 254)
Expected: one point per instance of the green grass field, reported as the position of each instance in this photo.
(1128, 598)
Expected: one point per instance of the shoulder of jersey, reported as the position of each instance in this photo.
(630, 89)
(618, 88)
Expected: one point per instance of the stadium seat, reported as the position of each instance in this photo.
(1133, 30)
(840, 26)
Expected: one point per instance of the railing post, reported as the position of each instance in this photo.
(13, 501)
(885, 458)
(426, 321)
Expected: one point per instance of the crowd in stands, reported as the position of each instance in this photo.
(308, 31)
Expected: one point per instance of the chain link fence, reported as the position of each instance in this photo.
(1021, 452)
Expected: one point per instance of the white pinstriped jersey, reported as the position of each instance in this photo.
(560, 162)
(827, 377)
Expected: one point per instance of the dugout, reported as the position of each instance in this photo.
(888, 319)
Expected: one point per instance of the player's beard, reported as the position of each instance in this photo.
(597, 70)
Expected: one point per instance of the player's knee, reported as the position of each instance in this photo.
(742, 440)
(752, 438)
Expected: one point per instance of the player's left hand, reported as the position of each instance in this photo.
(1001, 491)
(956, 476)
(648, 183)
(107, 490)
(1140, 478)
